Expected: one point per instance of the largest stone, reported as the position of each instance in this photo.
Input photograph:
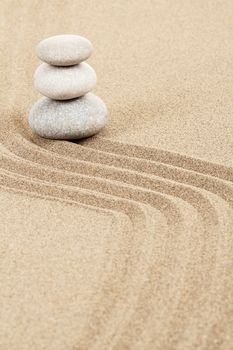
(73, 119)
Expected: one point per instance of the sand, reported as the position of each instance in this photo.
(123, 240)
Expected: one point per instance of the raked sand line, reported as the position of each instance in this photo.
(70, 173)
(106, 334)
(27, 170)
(124, 317)
(139, 236)
(84, 150)
(114, 148)
(108, 151)
(218, 293)
(215, 283)
(128, 320)
(83, 196)
(49, 177)
(173, 232)
(208, 224)
(117, 269)
(184, 176)
(162, 156)
(146, 303)
(89, 182)
(122, 224)
(135, 212)
(187, 193)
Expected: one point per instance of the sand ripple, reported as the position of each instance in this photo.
(173, 215)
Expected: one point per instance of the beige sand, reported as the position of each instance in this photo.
(125, 240)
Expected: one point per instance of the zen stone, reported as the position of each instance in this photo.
(73, 119)
(64, 50)
(63, 83)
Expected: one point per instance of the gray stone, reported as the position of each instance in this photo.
(63, 83)
(73, 119)
(64, 50)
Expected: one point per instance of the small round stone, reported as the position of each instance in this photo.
(64, 50)
(74, 119)
(63, 83)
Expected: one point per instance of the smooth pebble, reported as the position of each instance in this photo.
(73, 119)
(63, 83)
(64, 50)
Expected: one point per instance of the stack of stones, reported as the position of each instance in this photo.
(69, 110)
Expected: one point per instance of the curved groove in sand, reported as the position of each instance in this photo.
(161, 156)
(16, 165)
(125, 243)
(188, 193)
(19, 167)
(183, 176)
(90, 182)
(195, 199)
(186, 176)
(114, 148)
(18, 181)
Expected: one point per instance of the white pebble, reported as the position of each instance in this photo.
(64, 50)
(63, 83)
(73, 119)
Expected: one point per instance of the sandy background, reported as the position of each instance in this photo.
(124, 240)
